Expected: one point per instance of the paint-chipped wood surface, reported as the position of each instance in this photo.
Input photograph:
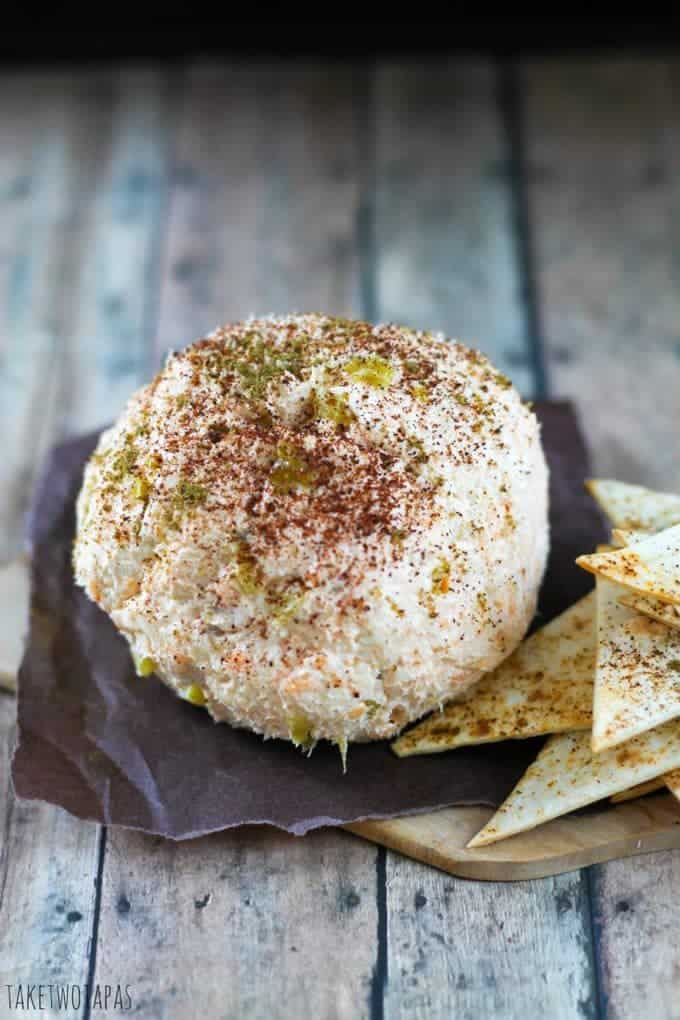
(532, 209)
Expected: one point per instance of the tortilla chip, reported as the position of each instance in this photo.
(621, 537)
(641, 790)
(633, 506)
(545, 686)
(651, 567)
(672, 781)
(664, 612)
(637, 677)
(567, 775)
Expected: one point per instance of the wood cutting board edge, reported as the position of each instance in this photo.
(647, 825)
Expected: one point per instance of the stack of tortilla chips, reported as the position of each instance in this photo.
(603, 679)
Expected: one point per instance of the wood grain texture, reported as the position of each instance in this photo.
(604, 141)
(636, 921)
(446, 253)
(262, 218)
(445, 258)
(603, 147)
(109, 348)
(264, 158)
(446, 962)
(43, 126)
(573, 841)
(66, 182)
(48, 863)
(242, 924)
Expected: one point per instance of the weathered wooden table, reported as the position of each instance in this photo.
(532, 209)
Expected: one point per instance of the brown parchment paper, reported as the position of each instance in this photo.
(106, 745)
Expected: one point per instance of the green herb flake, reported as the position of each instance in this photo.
(190, 494)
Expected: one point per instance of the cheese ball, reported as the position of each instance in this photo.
(318, 528)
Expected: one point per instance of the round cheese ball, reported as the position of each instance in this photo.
(318, 528)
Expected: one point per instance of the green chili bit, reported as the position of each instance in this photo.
(290, 470)
(194, 694)
(441, 577)
(332, 407)
(300, 732)
(420, 393)
(246, 577)
(145, 666)
(342, 748)
(289, 602)
(372, 371)
(247, 573)
(140, 488)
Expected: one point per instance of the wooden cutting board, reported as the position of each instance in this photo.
(575, 841)
(439, 838)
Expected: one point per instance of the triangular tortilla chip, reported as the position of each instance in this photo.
(545, 686)
(672, 780)
(651, 567)
(641, 790)
(664, 612)
(621, 537)
(637, 677)
(633, 506)
(567, 775)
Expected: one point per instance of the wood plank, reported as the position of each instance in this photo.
(262, 218)
(603, 148)
(73, 135)
(447, 940)
(605, 199)
(48, 863)
(109, 350)
(446, 258)
(41, 127)
(272, 158)
(446, 253)
(636, 921)
(240, 924)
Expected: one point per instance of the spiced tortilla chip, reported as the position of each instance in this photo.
(633, 506)
(664, 612)
(641, 790)
(545, 686)
(650, 567)
(672, 781)
(567, 775)
(637, 676)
